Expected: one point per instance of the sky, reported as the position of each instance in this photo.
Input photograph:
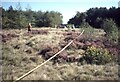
(67, 8)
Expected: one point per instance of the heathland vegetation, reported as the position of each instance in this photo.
(92, 56)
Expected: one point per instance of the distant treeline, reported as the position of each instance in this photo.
(95, 17)
(18, 18)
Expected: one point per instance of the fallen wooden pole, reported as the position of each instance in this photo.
(46, 60)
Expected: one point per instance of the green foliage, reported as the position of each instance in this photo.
(119, 37)
(111, 30)
(84, 25)
(78, 19)
(97, 56)
(69, 26)
(95, 16)
(51, 19)
(18, 18)
(89, 33)
(89, 30)
(9, 18)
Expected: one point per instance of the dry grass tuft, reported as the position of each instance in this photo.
(19, 55)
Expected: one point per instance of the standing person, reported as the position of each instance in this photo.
(29, 27)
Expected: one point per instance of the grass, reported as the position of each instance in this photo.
(16, 62)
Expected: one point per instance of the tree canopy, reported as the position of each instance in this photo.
(95, 16)
(18, 18)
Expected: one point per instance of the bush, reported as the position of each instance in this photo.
(111, 30)
(97, 56)
(88, 31)
(84, 25)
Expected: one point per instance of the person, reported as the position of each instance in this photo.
(29, 27)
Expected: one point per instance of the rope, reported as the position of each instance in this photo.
(45, 61)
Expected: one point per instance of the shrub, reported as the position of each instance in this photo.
(84, 25)
(89, 30)
(111, 30)
(97, 56)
